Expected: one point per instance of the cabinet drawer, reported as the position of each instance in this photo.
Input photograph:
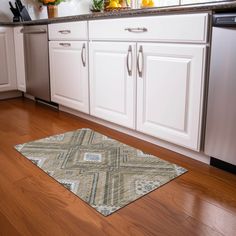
(168, 28)
(68, 31)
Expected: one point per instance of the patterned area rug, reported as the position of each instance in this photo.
(103, 172)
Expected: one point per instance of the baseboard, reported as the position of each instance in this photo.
(200, 156)
(26, 95)
(10, 94)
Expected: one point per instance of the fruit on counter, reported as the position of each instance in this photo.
(147, 3)
(117, 4)
(151, 3)
(113, 4)
(123, 3)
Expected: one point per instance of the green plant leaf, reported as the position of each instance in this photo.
(97, 4)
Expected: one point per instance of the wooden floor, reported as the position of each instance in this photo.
(201, 202)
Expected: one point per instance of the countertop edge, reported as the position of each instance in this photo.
(190, 8)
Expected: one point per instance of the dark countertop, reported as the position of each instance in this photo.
(212, 6)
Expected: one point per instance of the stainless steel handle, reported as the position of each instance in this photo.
(65, 44)
(140, 68)
(38, 31)
(129, 55)
(137, 30)
(83, 58)
(64, 31)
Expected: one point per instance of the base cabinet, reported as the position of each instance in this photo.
(7, 64)
(69, 74)
(20, 58)
(145, 77)
(166, 102)
(169, 92)
(112, 82)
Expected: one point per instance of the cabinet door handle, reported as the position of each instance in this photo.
(64, 31)
(129, 58)
(137, 30)
(65, 44)
(83, 58)
(140, 68)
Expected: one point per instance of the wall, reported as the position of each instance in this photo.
(162, 3)
(4, 10)
(74, 7)
(183, 2)
(68, 8)
(71, 7)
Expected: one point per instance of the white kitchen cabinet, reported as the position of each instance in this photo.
(112, 82)
(69, 74)
(170, 92)
(7, 56)
(20, 58)
(164, 97)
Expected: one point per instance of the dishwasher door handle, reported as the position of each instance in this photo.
(38, 31)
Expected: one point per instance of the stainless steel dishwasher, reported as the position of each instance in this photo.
(220, 140)
(37, 61)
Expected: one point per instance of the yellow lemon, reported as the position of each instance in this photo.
(113, 4)
(151, 3)
(145, 3)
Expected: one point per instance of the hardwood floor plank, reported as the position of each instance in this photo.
(201, 202)
(210, 190)
(7, 228)
(195, 206)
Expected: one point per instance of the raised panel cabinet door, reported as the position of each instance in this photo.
(7, 64)
(20, 58)
(112, 82)
(69, 74)
(170, 92)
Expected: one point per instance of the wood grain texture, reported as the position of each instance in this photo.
(201, 202)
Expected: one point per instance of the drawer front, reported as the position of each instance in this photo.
(169, 28)
(68, 31)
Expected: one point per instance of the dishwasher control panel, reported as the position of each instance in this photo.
(227, 20)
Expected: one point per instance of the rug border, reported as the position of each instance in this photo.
(116, 211)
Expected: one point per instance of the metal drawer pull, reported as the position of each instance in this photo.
(64, 31)
(65, 44)
(137, 30)
(140, 68)
(83, 57)
(129, 55)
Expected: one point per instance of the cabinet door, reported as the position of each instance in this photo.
(20, 58)
(7, 64)
(69, 74)
(112, 82)
(170, 92)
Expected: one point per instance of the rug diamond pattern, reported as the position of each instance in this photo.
(103, 172)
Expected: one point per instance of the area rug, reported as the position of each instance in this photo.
(103, 172)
